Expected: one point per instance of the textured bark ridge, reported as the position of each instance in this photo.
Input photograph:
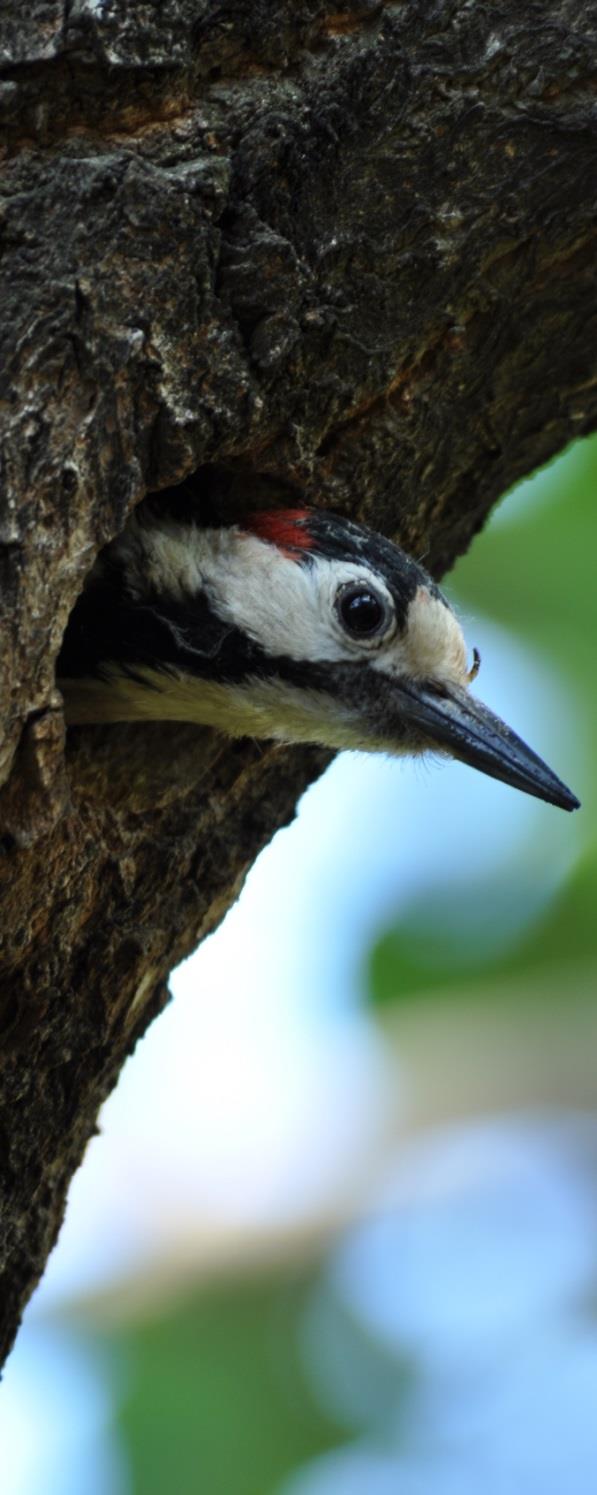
(339, 252)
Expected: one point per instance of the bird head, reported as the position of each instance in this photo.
(298, 625)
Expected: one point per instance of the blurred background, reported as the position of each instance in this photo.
(338, 1233)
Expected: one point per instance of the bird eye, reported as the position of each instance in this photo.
(361, 611)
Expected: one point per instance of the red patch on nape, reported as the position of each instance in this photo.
(288, 529)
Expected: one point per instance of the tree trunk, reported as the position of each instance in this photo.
(336, 252)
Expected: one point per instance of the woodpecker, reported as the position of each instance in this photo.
(296, 625)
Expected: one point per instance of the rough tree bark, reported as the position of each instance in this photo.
(337, 250)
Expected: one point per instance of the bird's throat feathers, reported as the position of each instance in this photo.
(267, 710)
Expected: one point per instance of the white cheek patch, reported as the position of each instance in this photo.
(285, 606)
(288, 607)
(432, 646)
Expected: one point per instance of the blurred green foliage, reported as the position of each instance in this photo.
(403, 963)
(217, 1401)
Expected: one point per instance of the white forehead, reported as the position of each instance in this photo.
(288, 608)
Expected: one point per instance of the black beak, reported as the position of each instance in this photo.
(451, 719)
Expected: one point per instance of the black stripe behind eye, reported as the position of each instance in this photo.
(106, 628)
